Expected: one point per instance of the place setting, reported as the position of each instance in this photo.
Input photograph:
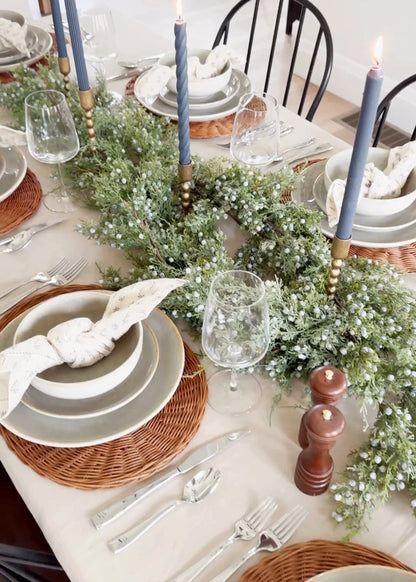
(385, 221)
(21, 43)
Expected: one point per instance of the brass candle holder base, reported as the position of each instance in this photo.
(65, 69)
(185, 177)
(339, 252)
(87, 103)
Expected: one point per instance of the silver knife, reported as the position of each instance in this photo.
(130, 73)
(22, 238)
(197, 457)
(320, 149)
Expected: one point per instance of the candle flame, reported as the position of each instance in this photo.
(378, 50)
(179, 9)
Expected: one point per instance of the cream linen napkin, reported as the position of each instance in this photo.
(78, 342)
(154, 80)
(13, 36)
(376, 183)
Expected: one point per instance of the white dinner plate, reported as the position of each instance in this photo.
(2, 164)
(82, 432)
(39, 50)
(156, 105)
(220, 98)
(378, 240)
(13, 56)
(108, 401)
(14, 172)
(367, 222)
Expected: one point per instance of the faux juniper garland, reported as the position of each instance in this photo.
(369, 331)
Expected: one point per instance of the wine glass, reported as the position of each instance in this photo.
(255, 136)
(51, 138)
(235, 334)
(99, 37)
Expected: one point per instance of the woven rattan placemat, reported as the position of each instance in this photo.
(199, 129)
(134, 457)
(298, 562)
(21, 204)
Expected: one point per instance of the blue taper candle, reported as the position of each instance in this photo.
(76, 42)
(58, 28)
(361, 144)
(182, 90)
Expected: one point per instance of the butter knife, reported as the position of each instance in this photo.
(201, 454)
(22, 238)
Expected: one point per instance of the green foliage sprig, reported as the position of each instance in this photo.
(369, 331)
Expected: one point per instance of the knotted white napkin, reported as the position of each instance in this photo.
(376, 183)
(155, 79)
(13, 36)
(78, 342)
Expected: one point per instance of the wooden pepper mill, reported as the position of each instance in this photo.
(324, 424)
(328, 385)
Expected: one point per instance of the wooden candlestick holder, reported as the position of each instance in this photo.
(185, 178)
(328, 384)
(315, 466)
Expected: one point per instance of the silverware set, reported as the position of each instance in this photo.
(198, 488)
(60, 274)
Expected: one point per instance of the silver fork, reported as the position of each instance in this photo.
(270, 540)
(41, 277)
(245, 529)
(57, 280)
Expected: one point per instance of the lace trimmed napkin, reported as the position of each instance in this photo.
(376, 183)
(156, 78)
(13, 36)
(78, 342)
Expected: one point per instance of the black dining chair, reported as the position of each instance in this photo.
(309, 18)
(384, 107)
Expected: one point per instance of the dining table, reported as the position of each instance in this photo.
(261, 465)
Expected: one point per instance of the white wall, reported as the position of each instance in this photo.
(355, 26)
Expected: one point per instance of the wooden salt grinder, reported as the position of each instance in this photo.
(327, 385)
(324, 424)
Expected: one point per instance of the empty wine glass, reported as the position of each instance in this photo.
(235, 334)
(99, 35)
(255, 136)
(51, 138)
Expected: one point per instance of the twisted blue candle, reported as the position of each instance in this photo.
(360, 151)
(76, 42)
(182, 90)
(58, 28)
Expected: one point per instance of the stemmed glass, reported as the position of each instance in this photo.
(256, 131)
(51, 138)
(235, 334)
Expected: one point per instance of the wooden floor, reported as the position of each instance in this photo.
(18, 527)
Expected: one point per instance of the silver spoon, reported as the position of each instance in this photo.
(195, 490)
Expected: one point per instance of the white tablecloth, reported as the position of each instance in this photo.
(261, 465)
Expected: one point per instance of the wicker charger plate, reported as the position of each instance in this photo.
(199, 129)
(20, 205)
(134, 457)
(298, 562)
